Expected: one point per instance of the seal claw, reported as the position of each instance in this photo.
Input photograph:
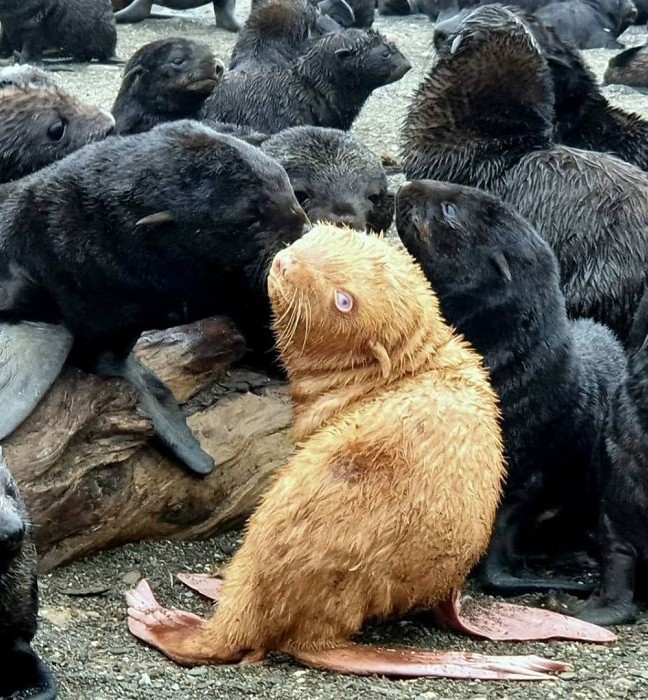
(208, 586)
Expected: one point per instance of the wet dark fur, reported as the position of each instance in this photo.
(165, 80)
(107, 278)
(22, 670)
(623, 526)
(326, 87)
(589, 24)
(630, 67)
(275, 34)
(334, 176)
(364, 11)
(491, 104)
(498, 284)
(83, 29)
(583, 117)
(40, 123)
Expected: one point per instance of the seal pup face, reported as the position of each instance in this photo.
(342, 299)
(13, 527)
(173, 74)
(486, 101)
(41, 124)
(334, 176)
(470, 244)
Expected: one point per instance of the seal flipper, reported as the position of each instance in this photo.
(137, 11)
(23, 671)
(517, 623)
(32, 356)
(364, 660)
(168, 631)
(208, 586)
(157, 401)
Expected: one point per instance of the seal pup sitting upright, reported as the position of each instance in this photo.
(165, 80)
(328, 85)
(335, 177)
(133, 229)
(484, 117)
(498, 284)
(391, 495)
(23, 672)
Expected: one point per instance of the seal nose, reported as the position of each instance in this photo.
(283, 262)
(12, 529)
(219, 68)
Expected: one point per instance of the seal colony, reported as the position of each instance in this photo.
(113, 225)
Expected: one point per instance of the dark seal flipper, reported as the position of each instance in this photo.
(158, 403)
(31, 358)
(224, 12)
(25, 675)
(339, 10)
(136, 12)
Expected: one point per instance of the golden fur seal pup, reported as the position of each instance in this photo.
(390, 498)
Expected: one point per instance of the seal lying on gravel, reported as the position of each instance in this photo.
(490, 100)
(143, 225)
(165, 80)
(390, 498)
(83, 29)
(335, 177)
(23, 673)
(498, 284)
(277, 32)
(41, 123)
(589, 24)
(224, 11)
(327, 86)
(624, 487)
(583, 117)
(630, 67)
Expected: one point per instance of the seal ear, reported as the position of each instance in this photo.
(160, 217)
(379, 352)
(133, 74)
(501, 265)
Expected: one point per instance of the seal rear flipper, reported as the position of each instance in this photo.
(364, 660)
(208, 586)
(25, 675)
(32, 356)
(517, 623)
(137, 11)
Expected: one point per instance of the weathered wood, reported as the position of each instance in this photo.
(89, 470)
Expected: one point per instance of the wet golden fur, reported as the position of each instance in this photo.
(390, 498)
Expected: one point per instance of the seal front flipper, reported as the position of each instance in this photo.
(364, 660)
(208, 586)
(25, 675)
(31, 358)
(158, 403)
(516, 623)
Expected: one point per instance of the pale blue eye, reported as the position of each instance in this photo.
(343, 301)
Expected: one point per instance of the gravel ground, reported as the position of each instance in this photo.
(84, 637)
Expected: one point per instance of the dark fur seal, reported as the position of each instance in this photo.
(630, 67)
(23, 673)
(40, 123)
(83, 29)
(484, 117)
(224, 11)
(165, 80)
(326, 87)
(278, 32)
(589, 24)
(498, 284)
(583, 118)
(623, 526)
(335, 177)
(133, 229)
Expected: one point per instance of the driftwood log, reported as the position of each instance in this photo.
(89, 469)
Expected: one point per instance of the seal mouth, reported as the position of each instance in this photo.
(202, 85)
